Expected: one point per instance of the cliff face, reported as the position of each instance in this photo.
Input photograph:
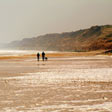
(94, 38)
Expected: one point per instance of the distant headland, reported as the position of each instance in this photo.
(93, 38)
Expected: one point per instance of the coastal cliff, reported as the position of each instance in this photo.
(94, 38)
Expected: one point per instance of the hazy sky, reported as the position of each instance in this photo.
(30, 18)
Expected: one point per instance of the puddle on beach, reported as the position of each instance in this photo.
(58, 87)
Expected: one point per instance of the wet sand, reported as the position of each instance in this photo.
(61, 84)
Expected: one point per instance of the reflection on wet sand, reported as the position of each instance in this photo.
(67, 85)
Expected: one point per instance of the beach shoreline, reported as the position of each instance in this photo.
(54, 54)
(66, 82)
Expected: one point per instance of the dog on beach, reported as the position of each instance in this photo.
(46, 58)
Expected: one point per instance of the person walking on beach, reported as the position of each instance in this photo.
(43, 56)
(38, 56)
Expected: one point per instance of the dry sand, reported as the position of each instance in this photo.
(65, 83)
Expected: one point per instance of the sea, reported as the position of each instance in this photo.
(20, 52)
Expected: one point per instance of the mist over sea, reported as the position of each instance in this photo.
(20, 52)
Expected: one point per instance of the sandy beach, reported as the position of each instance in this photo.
(67, 82)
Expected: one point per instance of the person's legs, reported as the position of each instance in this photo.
(43, 58)
(38, 58)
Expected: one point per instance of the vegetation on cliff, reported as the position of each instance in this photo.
(94, 38)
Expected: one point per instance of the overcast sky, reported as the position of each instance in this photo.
(29, 18)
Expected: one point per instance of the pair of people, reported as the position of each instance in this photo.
(43, 56)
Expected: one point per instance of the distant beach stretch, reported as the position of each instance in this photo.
(67, 82)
